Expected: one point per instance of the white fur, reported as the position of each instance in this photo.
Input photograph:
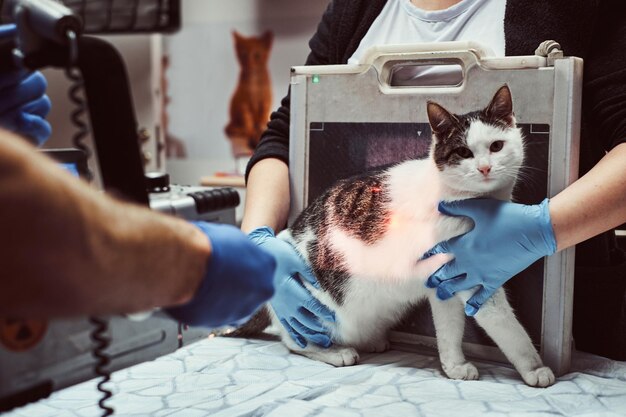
(465, 180)
(387, 275)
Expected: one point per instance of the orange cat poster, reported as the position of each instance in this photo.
(250, 104)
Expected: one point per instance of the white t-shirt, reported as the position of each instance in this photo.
(469, 20)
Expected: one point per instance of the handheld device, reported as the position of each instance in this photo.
(39, 24)
(191, 202)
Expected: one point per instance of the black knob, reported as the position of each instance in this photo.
(157, 182)
(215, 199)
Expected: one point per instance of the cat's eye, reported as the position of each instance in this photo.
(463, 152)
(496, 146)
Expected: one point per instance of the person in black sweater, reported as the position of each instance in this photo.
(584, 214)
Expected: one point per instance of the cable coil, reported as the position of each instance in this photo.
(102, 341)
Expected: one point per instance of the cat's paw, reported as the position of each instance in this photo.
(540, 377)
(339, 356)
(465, 371)
(381, 345)
(335, 355)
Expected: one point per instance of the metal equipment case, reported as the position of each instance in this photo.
(346, 119)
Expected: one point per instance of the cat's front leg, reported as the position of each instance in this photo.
(498, 319)
(449, 320)
(335, 355)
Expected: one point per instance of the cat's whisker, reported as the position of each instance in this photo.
(529, 168)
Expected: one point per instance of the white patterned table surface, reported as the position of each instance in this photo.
(225, 377)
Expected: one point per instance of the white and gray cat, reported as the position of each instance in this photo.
(365, 236)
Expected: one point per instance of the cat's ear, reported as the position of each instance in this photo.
(237, 36)
(500, 110)
(267, 38)
(441, 120)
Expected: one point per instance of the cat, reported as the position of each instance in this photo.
(365, 236)
(251, 102)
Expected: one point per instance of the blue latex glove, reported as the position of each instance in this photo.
(23, 102)
(506, 239)
(300, 313)
(238, 279)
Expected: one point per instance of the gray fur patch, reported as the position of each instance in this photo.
(255, 326)
(356, 205)
(359, 207)
(450, 130)
(444, 151)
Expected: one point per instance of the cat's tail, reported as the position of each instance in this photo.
(255, 326)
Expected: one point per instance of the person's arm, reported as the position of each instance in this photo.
(267, 196)
(508, 237)
(267, 174)
(266, 211)
(68, 249)
(593, 204)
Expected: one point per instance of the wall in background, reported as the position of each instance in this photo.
(204, 71)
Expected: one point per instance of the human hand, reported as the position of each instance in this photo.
(23, 102)
(506, 238)
(237, 281)
(299, 312)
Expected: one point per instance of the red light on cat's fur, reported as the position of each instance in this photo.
(394, 221)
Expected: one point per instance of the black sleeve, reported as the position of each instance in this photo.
(604, 88)
(274, 141)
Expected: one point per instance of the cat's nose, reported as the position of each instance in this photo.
(485, 170)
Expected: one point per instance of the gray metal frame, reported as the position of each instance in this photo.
(542, 94)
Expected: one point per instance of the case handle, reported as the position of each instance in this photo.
(409, 65)
(431, 73)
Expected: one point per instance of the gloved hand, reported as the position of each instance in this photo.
(238, 279)
(506, 238)
(23, 103)
(300, 313)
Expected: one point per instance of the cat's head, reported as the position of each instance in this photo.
(478, 152)
(253, 51)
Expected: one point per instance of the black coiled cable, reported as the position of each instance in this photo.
(99, 333)
(77, 117)
(102, 341)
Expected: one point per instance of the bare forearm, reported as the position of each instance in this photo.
(68, 249)
(593, 204)
(267, 196)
